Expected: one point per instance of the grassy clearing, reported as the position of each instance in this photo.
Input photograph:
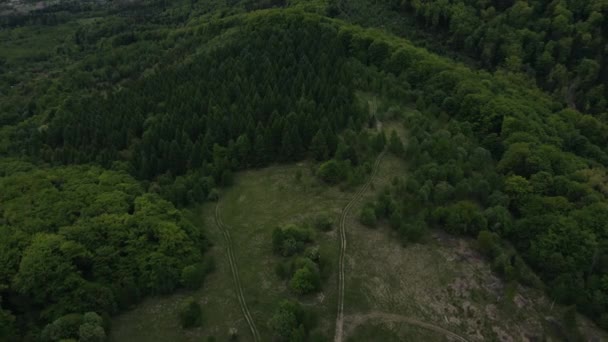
(262, 200)
(443, 281)
(259, 201)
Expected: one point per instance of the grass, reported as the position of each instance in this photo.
(259, 201)
(443, 282)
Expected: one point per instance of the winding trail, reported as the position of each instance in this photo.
(387, 317)
(235, 274)
(341, 274)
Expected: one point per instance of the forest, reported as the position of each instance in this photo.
(134, 114)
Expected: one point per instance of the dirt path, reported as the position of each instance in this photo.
(235, 274)
(341, 275)
(356, 320)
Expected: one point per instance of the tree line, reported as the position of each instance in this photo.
(560, 44)
(82, 239)
(266, 95)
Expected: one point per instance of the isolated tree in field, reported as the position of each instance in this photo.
(306, 280)
(286, 322)
(368, 216)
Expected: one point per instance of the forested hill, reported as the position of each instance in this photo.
(561, 45)
(112, 123)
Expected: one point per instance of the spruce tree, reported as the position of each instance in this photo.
(318, 146)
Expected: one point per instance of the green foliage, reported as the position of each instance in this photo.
(487, 242)
(306, 279)
(61, 233)
(323, 222)
(318, 147)
(368, 216)
(290, 240)
(289, 322)
(553, 44)
(303, 271)
(91, 329)
(412, 231)
(233, 113)
(331, 172)
(379, 141)
(7, 328)
(88, 327)
(395, 144)
(377, 52)
(398, 61)
(183, 107)
(193, 275)
(190, 314)
(461, 217)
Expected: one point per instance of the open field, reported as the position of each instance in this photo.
(259, 201)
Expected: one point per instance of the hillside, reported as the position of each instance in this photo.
(559, 45)
(147, 147)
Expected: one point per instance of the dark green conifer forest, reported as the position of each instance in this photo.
(115, 118)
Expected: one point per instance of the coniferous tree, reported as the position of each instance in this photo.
(319, 147)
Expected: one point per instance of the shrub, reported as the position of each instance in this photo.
(330, 172)
(307, 278)
(412, 231)
(290, 240)
(487, 242)
(368, 216)
(323, 222)
(193, 276)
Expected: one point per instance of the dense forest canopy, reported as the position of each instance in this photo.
(559, 44)
(105, 136)
(84, 239)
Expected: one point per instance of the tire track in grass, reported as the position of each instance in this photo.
(235, 274)
(342, 228)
